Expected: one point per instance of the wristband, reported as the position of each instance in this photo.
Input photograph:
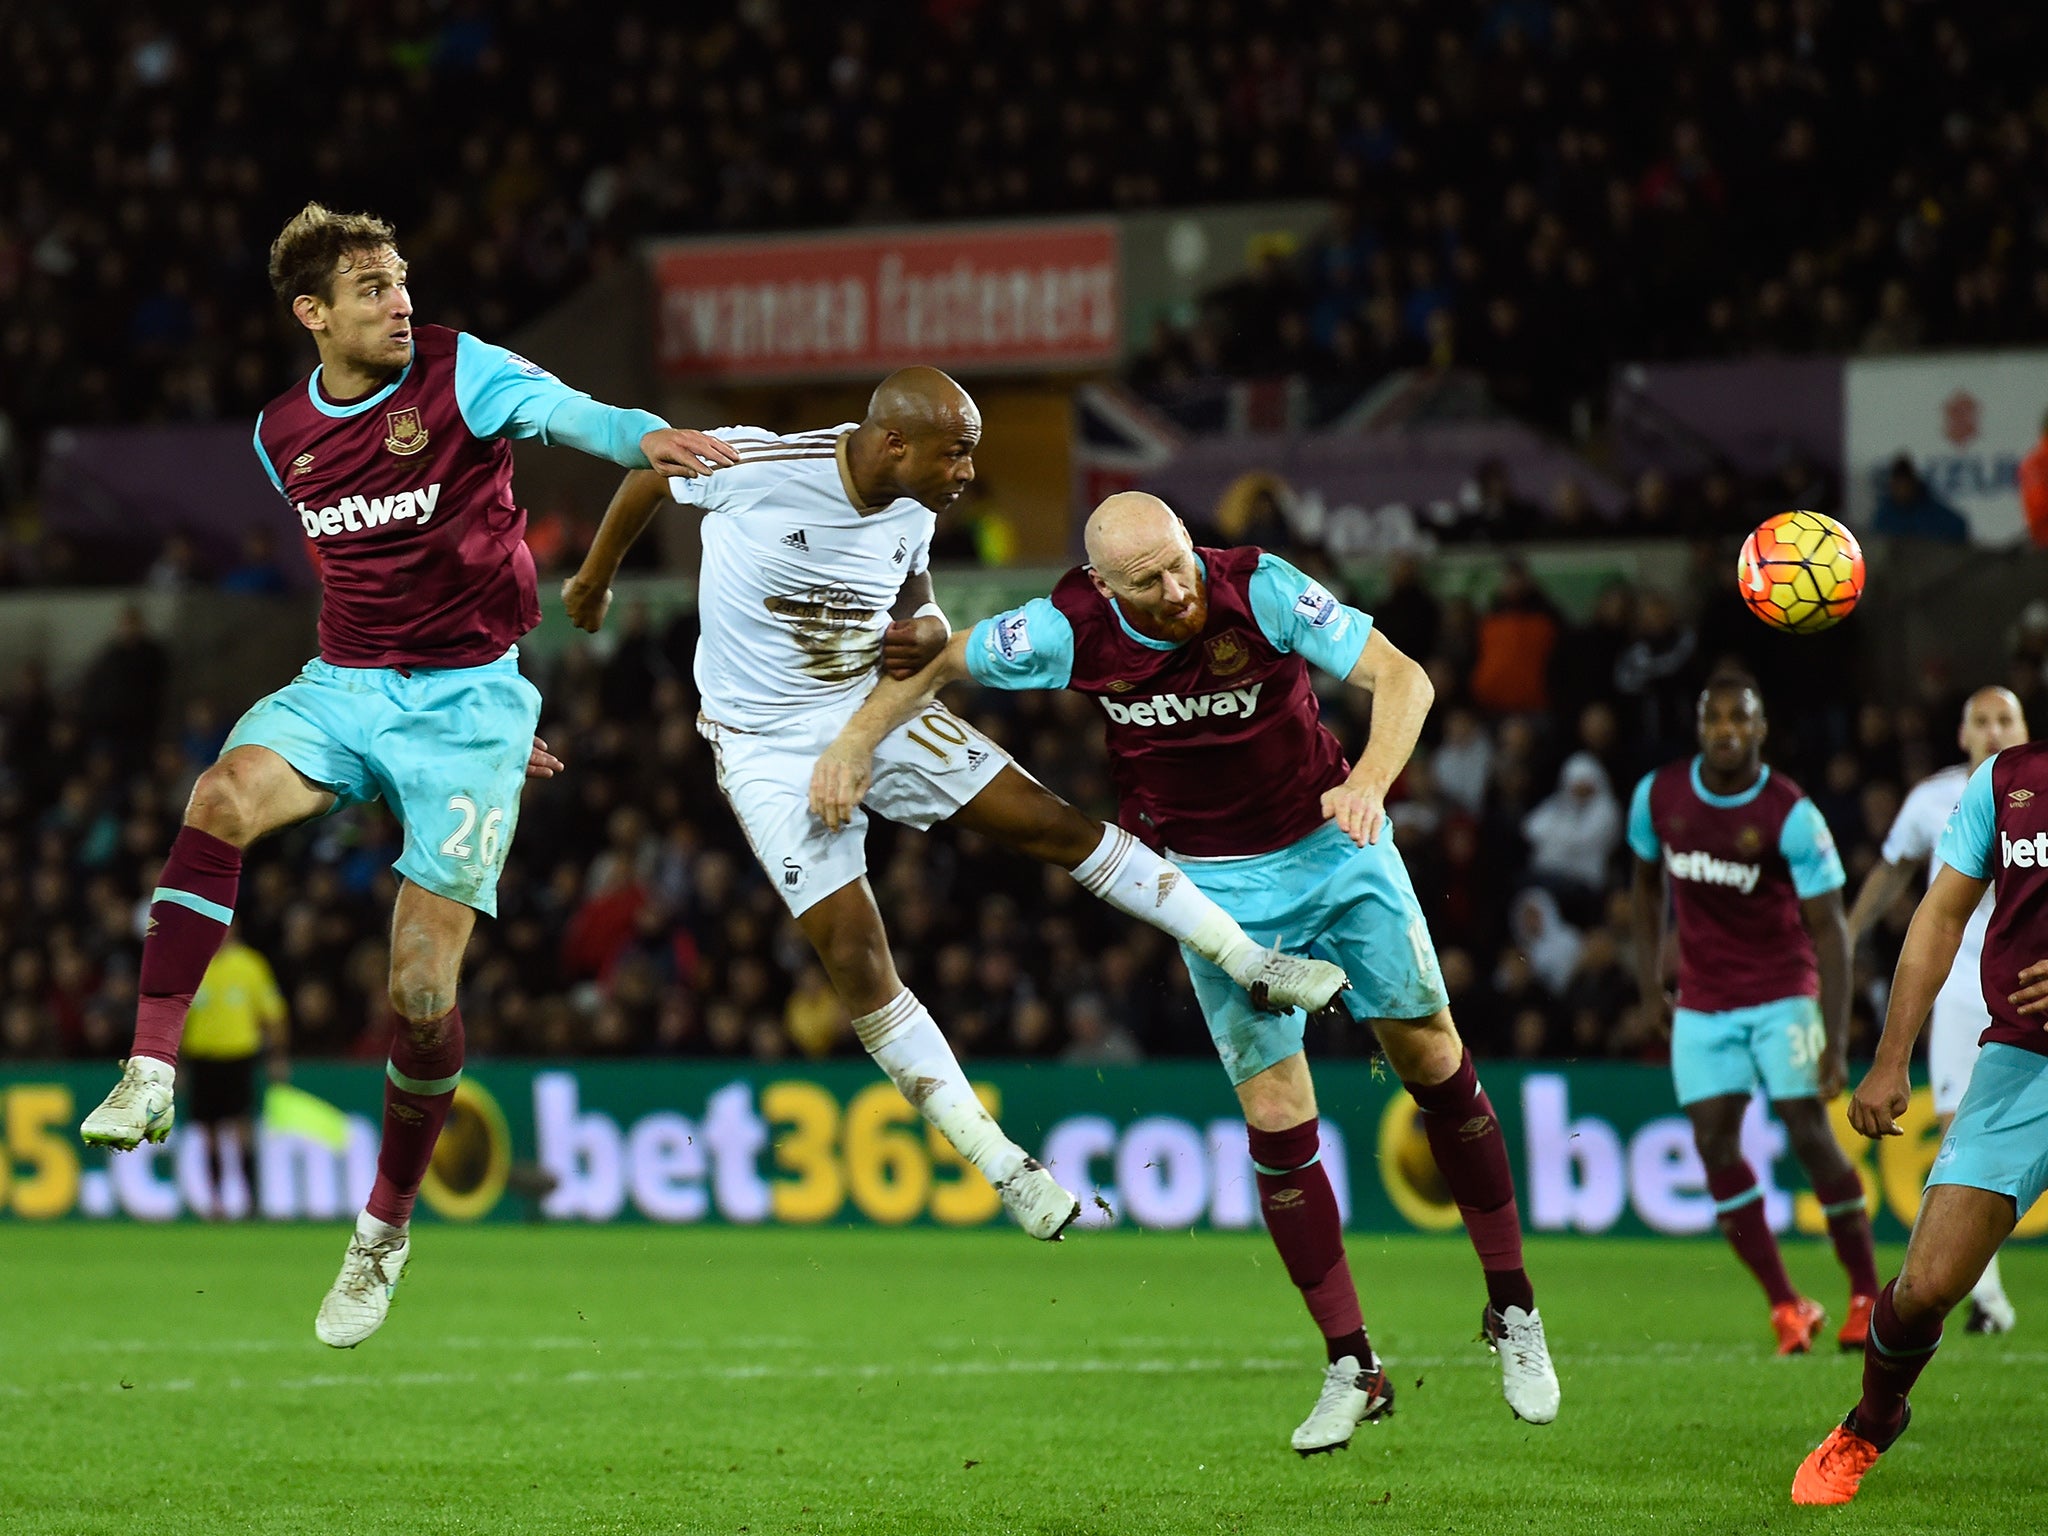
(933, 611)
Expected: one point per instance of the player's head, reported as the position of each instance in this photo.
(1140, 554)
(1993, 720)
(341, 276)
(1732, 725)
(929, 427)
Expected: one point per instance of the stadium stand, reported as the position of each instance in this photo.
(1505, 174)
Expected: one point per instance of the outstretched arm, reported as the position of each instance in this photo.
(1881, 887)
(1401, 696)
(1930, 949)
(501, 394)
(841, 775)
(588, 594)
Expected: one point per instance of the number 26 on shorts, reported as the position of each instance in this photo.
(457, 843)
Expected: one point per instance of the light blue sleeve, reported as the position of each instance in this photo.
(1298, 614)
(1028, 647)
(263, 457)
(1643, 841)
(501, 394)
(1809, 848)
(1972, 830)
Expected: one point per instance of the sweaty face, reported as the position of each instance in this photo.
(369, 320)
(1731, 729)
(1161, 590)
(1992, 723)
(938, 465)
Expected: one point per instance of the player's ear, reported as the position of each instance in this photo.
(1100, 585)
(310, 312)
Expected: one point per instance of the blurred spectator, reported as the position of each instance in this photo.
(1515, 641)
(1544, 939)
(1573, 832)
(1408, 613)
(2034, 487)
(1908, 509)
(257, 572)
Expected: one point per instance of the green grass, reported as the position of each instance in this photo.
(640, 1379)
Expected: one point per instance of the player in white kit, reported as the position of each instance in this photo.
(1992, 721)
(815, 577)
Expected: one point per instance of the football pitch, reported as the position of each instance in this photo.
(719, 1380)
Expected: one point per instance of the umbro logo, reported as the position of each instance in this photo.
(1476, 1127)
(302, 463)
(797, 541)
(1286, 1197)
(2019, 797)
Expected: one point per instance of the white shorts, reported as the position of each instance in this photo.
(925, 770)
(1953, 1029)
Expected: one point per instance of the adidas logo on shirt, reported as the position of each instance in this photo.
(797, 541)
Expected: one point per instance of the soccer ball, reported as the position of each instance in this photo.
(1800, 572)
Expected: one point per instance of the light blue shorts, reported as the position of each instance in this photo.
(445, 749)
(1777, 1044)
(1328, 897)
(1999, 1137)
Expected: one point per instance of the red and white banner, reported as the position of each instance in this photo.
(964, 297)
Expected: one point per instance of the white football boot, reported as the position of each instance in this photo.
(1527, 1379)
(139, 1109)
(1286, 981)
(1353, 1394)
(1037, 1201)
(359, 1299)
(1990, 1312)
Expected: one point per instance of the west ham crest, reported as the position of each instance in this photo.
(405, 435)
(1749, 840)
(1228, 654)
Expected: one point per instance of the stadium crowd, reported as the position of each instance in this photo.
(633, 919)
(1529, 187)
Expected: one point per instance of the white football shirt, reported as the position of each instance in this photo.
(1915, 832)
(798, 580)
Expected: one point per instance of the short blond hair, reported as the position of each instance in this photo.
(308, 251)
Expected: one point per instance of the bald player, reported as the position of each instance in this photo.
(1200, 661)
(816, 553)
(1992, 721)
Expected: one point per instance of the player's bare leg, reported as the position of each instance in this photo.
(1301, 1213)
(1023, 815)
(1465, 1139)
(1991, 1310)
(1839, 1188)
(846, 930)
(1739, 1204)
(1957, 1233)
(428, 936)
(248, 794)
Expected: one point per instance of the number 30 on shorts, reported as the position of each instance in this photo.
(1808, 1042)
(457, 845)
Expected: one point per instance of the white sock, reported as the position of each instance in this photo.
(905, 1042)
(1989, 1286)
(1134, 879)
(374, 1229)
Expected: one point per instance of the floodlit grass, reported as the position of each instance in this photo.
(641, 1379)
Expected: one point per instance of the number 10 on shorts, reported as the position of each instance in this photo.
(457, 844)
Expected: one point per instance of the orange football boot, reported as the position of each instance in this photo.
(1833, 1470)
(1798, 1323)
(1856, 1327)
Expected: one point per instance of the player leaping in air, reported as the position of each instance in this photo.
(1756, 888)
(1993, 1163)
(394, 456)
(812, 544)
(1200, 660)
(1992, 721)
